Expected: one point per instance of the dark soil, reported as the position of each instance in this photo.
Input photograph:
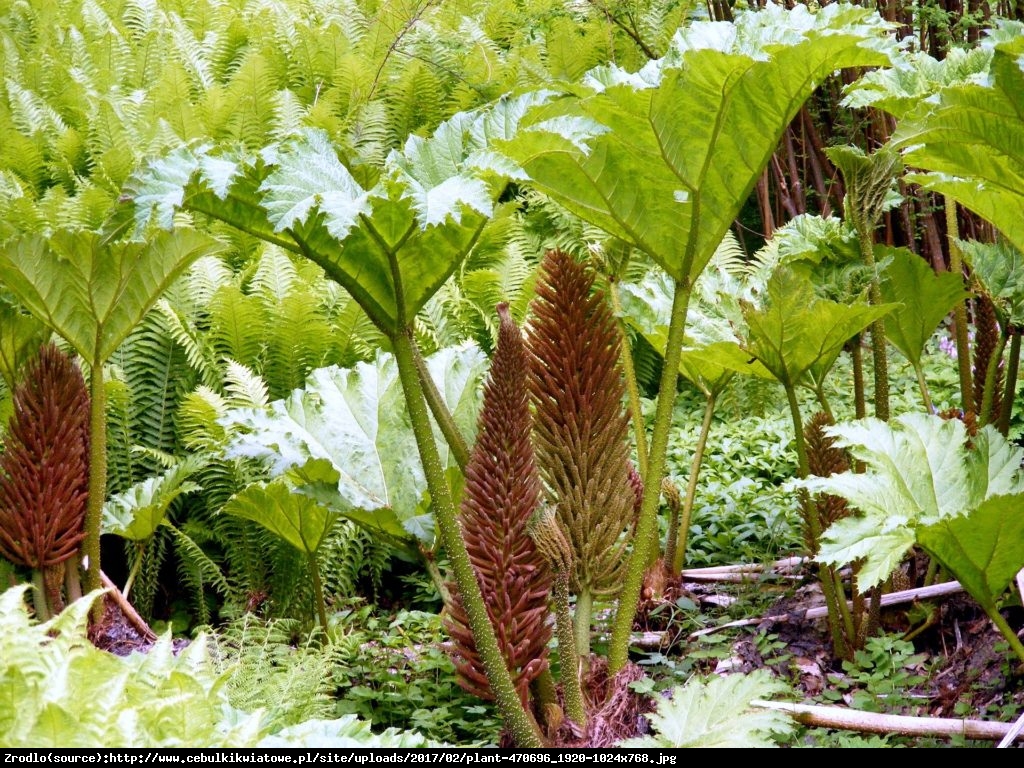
(969, 671)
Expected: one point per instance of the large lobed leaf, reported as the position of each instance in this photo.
(92, 291)
(972, 143)
(391, 246)
(717, 713)
(798, 331)
(921, 297)
(983, 549)
(664, 158)
(353, 423)
(919, 473)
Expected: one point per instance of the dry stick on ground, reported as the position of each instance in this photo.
(893, 598)
(729, 572)
(1012, 734)
(657, 639)
(903, 725)
(126, 608)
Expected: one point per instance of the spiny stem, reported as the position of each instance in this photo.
(1010, 388)
(318, 589)
(520, 723)
(97, 482)
(439, 409)
(632, 387)
(679, 554)
(963, 348)
(629, 598)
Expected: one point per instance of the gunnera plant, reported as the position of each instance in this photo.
(501, 494)
(44, 474)
(581, 430)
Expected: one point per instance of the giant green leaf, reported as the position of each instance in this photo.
(297, 519)
(21, 335)
(919, 473)
(665, 158)
(998, 269)
(355, 419)
(798, 331)
(971, 143)
(136, 513)
(983, 549)
(93, 291)
(712, 355)
(716, 713)
(922, 299)
(391, 246)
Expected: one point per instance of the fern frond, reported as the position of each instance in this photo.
(289, 115)
(152, 365)
(251, 95)
(196, 566)
(298, 340)
(30, 112)
(275, 275)
(268, 670)
(197, 417)
(245, 389)
(237, 324)
(205, 277)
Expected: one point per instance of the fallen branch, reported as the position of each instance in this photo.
(126, 608)
(903, 725)
(740, 572)
(657, 639)
(1014, 732)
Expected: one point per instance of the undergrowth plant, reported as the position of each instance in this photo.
(161, 698)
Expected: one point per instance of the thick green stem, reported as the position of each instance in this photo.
(644, 540)
(1007, 631)
(140, 553)
(880, 362)
(1010, 389)
(318, 589)
(430, 563)
(518, 720)
(439, 409)
(568, 655)
(39, 600)
(632, 388)
(97, 482)
(991, 375)
(819, 395)
(581, 622)
(836, 621)
(963, 348)
(682, 534)
(922, 384)
(857, 360)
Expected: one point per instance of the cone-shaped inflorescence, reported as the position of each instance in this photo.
(44, 468)
(986, 348)
(824, 458)
(581, 427)
(501, 494)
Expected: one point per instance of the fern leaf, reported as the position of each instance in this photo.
(244, 388)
